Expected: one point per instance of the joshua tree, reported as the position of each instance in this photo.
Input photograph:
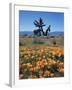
(40, 24)
(48, 30)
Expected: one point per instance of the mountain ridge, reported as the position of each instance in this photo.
(55, 33)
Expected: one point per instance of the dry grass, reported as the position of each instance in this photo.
(42, 41)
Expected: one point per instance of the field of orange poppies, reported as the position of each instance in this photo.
(41, 62)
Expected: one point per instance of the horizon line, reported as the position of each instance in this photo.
(32, 31)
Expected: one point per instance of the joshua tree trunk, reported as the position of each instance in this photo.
(43, 32)
(48, 30)
(46, 33)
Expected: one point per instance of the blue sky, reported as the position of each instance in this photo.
(55, 19)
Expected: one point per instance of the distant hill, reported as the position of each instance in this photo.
(56, 33)
(24, 33)
(28, 33)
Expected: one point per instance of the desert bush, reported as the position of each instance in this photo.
(20, 44)
(30, 36)
(25, 35)
(52, 36)
(54, 42)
